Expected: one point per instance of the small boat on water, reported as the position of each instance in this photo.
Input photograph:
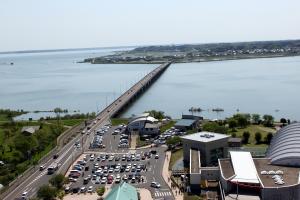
(194, 109)
(218, 110)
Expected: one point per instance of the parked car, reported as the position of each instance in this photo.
(90, 190)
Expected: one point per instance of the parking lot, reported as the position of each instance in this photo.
(110, 164)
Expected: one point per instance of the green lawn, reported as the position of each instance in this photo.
(118, 121)
(167, 126)
(174, 157)
(67, 122)
(141, 143)
(14, 144)
(252, 129)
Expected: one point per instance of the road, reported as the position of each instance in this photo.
(68, 153)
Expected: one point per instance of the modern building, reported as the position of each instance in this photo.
(285, 146)
(234, 142)
(123, 191)
(211, 146)
(144, 124)
(277, 176)
(188, 122)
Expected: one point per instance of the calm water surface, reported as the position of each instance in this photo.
(253, 86)
(43, 81)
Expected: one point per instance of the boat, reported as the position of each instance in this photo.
(194, 109)
(218, 110)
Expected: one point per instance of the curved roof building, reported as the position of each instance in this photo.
(285, 146)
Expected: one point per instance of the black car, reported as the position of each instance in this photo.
(86, 168)
(86, 180)
(55, 156)
(107, 156)
(130, 176)
(153, 151)
(67, 190)
(76, 190)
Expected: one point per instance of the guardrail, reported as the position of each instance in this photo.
(17, 181)
(66, 134)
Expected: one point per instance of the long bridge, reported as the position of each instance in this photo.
(33, 178)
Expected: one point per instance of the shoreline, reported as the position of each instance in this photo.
(191, 61)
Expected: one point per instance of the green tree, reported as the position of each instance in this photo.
(173, 140)
(268, 120)
(246, 136)
(100, 191)
(242, 119)
(233, 134)
(57, 181)
(258, 137)
(268, 138)
(46, 192)
(7, 133)
(156, 114)
(255, 118)
(214, 127)
(232, 123)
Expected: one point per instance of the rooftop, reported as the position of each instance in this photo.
(290, 174)
(243, 167)
(205, 136)
(235, 139)
(30, 129)
(185, 122)
(149, 125)
(195, 161)
(123, 191)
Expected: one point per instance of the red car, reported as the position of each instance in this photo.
(110, 179)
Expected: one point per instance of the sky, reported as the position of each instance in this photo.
(56, 24)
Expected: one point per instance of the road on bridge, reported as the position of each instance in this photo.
(68, 153)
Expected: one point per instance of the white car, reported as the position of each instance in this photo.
(24, 195)
(103, 180)
(90, 190)
(155, 184)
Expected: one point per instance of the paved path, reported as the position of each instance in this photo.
(167, 174)
(68, 153)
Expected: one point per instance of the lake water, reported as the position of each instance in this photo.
(264, 86)
(43, 81)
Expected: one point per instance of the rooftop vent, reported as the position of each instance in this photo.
(207, 135)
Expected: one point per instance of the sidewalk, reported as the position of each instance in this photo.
(145, 194)
(167, 174)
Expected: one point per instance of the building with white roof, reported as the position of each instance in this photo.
(144, 124)
(211, 146)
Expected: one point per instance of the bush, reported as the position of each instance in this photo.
(246, 136)
(269, 138)
(258, 137)
(100, 191)
(57, 181)
(46, 192)
(233, 134)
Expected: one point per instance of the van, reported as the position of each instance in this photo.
(24, 195)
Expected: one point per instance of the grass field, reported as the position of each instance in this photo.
(67, 122)
(118, 121)
(252, 129)
(174, 157)
(167, 126)
(13, 144)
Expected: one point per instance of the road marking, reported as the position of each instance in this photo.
(162, 194)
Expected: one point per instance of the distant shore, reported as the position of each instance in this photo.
(201, 53)
(186, 61)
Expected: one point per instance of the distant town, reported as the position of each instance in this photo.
(201, 52)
